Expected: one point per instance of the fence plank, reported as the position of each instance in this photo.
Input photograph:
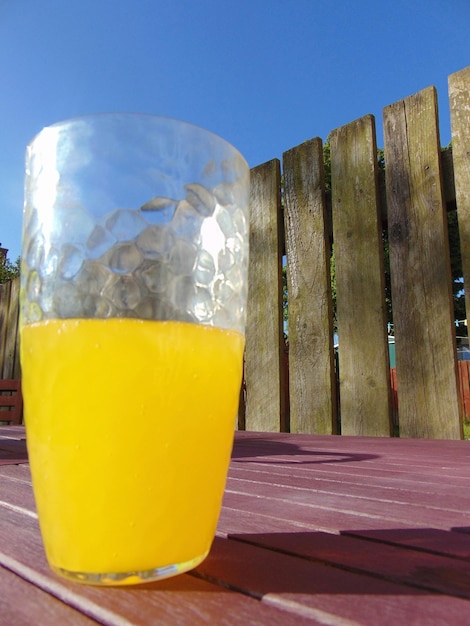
(459, 96)
(426, 357)
(312, 380)
(5, 291)
(364, 371)
(11, 356)
(264, 363)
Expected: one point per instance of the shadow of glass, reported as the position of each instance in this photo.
(259, 450)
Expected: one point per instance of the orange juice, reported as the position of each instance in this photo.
(129, 429)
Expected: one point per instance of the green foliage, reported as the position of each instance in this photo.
(333, 284)
(327, 164)
(9, 270)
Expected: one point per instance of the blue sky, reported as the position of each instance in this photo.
(264, 74)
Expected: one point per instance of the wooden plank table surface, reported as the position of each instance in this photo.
(314, 530)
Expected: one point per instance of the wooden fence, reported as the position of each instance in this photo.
(302, 220)
(9, 338)
(419, 185)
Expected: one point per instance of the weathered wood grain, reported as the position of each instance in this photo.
(312, 378)
(11, 354)
(5, 291)
(428, 395)
(264, 362)
(41, 609)
(459, 97)
(364, 369)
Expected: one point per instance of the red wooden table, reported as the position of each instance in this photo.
(314, 530)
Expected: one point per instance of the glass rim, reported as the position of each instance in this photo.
(134, 115)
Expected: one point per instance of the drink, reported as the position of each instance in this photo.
(129, 424)
(133, 310)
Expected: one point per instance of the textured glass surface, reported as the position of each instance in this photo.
(131, 215)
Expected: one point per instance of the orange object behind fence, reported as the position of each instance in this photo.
(464, 381)
(464, 377)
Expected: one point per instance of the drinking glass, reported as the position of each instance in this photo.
(133, 306)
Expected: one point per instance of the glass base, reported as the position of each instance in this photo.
(137, 577)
